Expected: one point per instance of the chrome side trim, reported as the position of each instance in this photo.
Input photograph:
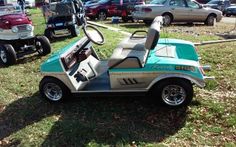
(196, 81)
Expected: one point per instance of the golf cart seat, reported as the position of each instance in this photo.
(133, 52)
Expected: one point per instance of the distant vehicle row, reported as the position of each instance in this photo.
(177, 11)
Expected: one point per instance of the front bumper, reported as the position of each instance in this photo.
(9, 35)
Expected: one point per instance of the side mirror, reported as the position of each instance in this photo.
(200, 6)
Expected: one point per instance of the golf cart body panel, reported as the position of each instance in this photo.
(14, 24)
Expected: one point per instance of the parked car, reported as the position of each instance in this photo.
(230, 11)
(176, 11)
(218, 4)
(108, 8)
(16, 36)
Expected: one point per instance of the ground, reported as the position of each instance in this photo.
(210, 120)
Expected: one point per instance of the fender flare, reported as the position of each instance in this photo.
(198, 82)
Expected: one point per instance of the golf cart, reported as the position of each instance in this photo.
(63, 19)
(164, 68)
(16, 36)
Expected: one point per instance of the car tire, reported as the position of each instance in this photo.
(7, 55)
(210, 21)
(102, 15)
(48, 34)
(42, 45)
(147, 22)
(53, 90)
(125, 19)
(173, 92)
(167, 19)
(228, 15)
(92, 18)
(73, 31)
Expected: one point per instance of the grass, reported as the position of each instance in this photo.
(210, 120)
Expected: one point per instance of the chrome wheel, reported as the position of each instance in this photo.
(173, 95)
(52, 91)
(3, 56)
(102, 15)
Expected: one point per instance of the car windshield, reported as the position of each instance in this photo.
(158, 2)
(10, 10)
(213, 2)
(103, 1)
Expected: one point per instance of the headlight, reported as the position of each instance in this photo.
(29, 27)
(14, 29)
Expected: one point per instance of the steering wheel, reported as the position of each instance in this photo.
(93, 34)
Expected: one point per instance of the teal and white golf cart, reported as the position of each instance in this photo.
(165, 68)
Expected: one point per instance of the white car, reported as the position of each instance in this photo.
(176, 11)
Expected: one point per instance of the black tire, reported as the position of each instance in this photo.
(92, 18)
(7, 55)
(53, 90)
(167, 19)
(49, 34)
(210, 21)
(102, 15)
(125, 19)
(228, 15)
(181, 91)
(42, 45)
(73, 31)
(147, 22)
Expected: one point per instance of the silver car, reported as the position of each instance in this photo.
(176, 11)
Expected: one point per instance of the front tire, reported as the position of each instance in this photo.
(7, 54)
(167, 19)
(49, 34)
(73, 31)
(173, 92)
(42, 45)
(53, 89)
(210, 21)
(102, 15)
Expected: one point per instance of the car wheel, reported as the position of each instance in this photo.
(102, 15)
(73, 31)
(53, 89)
(92, 18)
(167, 19)
(174, 92)
(48, 34)
(228, 15)
(42, 45)
(125, 19)
(7, 54)
(210, 21)
(147, 22)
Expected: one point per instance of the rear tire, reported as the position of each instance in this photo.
(42, 45)
(147, 22)
(7, 55)
(173, 92)
(210, 21)
(53, 89)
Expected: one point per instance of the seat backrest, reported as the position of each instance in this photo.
(154, 33)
